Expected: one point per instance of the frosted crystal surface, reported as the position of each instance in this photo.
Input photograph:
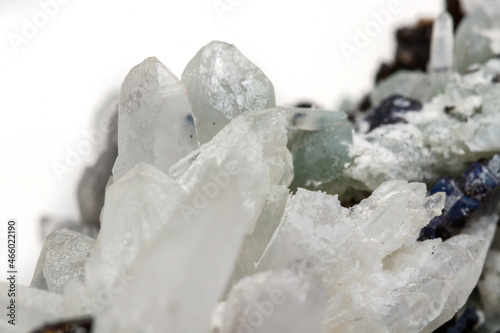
(62, 260)
(290, 300)
(222, 83)
(377, 277)
(256, 240)
(155, 123)
(34, 307)
(204, 237)
(136, 208)
(249, 140)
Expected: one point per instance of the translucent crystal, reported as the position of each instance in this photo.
(222, 83)
(137, 207)
(377, 277)
(319, 141)
(227, 184)
(256, 240)
(441, 58)
(291, 300)
(155, 123)
(62, 260)
(249, 142)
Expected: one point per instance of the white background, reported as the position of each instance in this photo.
(52, 85)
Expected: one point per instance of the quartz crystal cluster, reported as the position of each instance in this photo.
(222, 211)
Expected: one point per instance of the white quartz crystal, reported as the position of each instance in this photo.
(256, 240)
(136, 208)
(246, 139)
(441, 57)
(190, 260)
(155, 124)
(62, 260)
(377, 277)
(290, 300)
(222, 83)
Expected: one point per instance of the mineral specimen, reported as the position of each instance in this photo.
(219, 238)
(226, 186)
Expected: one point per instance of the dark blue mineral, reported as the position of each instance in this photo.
(463, 197)
(461, 210)
(463, 323)
(438, 227)
(478, 181)
(450, 187)
(391, 111)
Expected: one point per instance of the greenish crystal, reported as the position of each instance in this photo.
(319, 141)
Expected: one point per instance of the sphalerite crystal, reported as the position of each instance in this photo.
(246, 232)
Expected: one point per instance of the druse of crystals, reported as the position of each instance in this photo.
(226, 186)
(290, 300)
(199, 236)
(319, 141)
(155, 123)
(62, 260)
(377, 277)
(222, 83)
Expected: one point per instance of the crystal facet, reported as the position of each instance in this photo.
(62, 260)
(156, 123)
(222, 83)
